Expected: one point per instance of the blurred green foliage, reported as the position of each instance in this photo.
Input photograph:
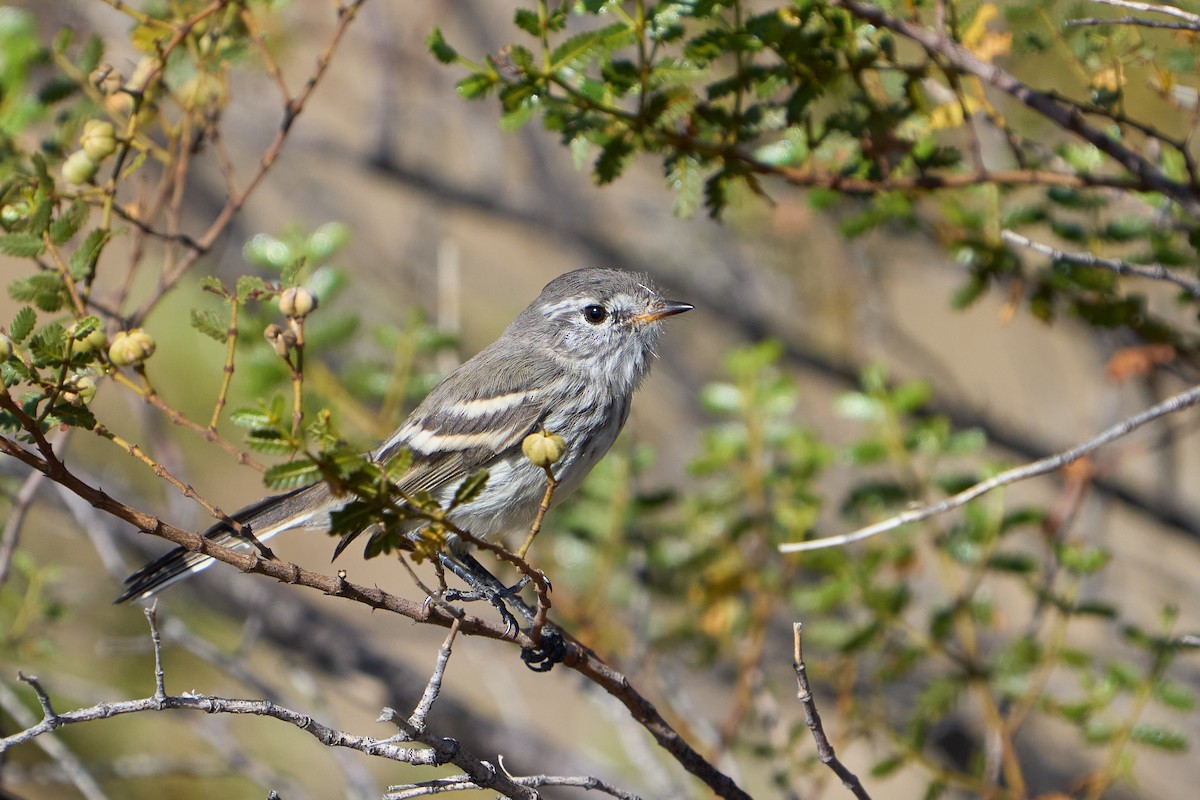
(976, 621)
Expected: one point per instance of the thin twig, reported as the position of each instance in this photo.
(1136, 22)
(434, 686)
(1042, 466)
(1170, 11)
(812, 718)
(1155, 272)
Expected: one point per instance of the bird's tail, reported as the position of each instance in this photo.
(308, 506)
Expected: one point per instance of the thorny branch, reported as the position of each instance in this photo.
(1171, 405)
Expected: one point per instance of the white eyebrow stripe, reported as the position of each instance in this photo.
(427, 441)
(486, 406)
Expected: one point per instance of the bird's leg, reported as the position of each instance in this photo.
(486, 586)
(483, 586)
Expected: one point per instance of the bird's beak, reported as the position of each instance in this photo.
(667, 308)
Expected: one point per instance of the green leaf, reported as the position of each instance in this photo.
(528, 21)
(22, 324)
(1175, 695)
(886, 767)
(579, 49)
(39, 220)
(268, 440)
(249, 285)
(210, 324)
(614, 156)
(438, 47)
(1017, 563)
(87, 253)
(476, 85)
(293, 474)
(252, 418)
(470, 488)
(1081, 560)
(44, 289)
(1159, 736)
(911, 396)
(21, 245)
(69, 222)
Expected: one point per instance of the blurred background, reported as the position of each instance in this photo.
(453, 225)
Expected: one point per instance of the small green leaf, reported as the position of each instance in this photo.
(69, 222)
(21, 245)
(22, 324)
(39, 220)
(44, 289)
(886, 767)
(470, 488)
(268, 440)
(86, 254)
(528, 21)
(248, 286)
(252, 418)
(476, 85)
(1175, 695)
(210, 324)
(438, 47)
(293, 474)
(1159, 736)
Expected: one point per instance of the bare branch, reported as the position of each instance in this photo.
(1043, 466)
(1155, 272)
(434, 686)
(1170, 11)
(1137, 22)
(812, 718)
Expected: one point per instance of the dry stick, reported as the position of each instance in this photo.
(812, 718)
(1134, 21)
(1068, 118)
(579, 658)
(434, 686)
(1033, 469)
(1156, 272)
(1170, 11)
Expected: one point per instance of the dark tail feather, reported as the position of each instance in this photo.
(266, 518)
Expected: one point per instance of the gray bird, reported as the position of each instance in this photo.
(568, 364)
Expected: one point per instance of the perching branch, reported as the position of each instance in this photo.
(1155, 272)
(1043, 466)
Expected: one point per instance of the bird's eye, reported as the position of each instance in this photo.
(595, 314)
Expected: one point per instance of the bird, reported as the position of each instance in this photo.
(568, 365)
